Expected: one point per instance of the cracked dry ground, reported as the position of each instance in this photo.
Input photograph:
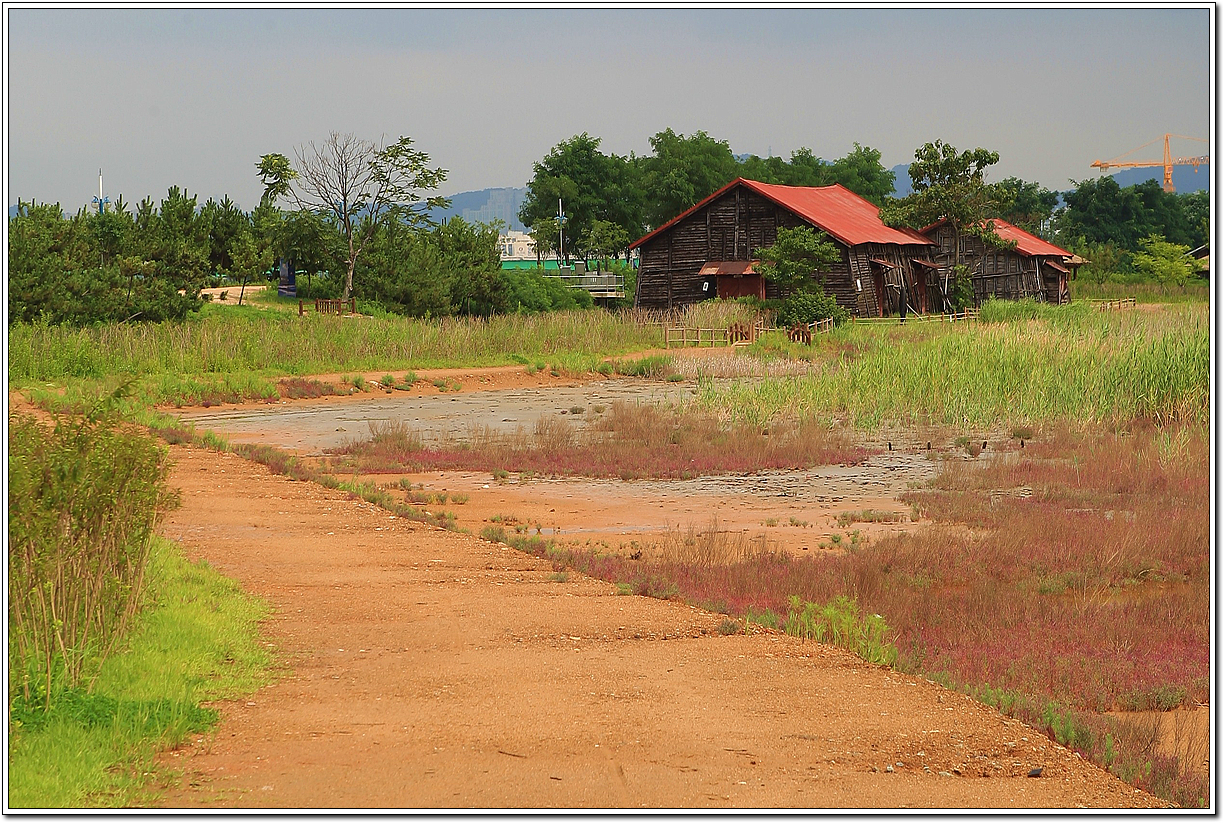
(425, 668)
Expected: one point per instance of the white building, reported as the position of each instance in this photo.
(516, 245)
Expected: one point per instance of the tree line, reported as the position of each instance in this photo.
(354, 216)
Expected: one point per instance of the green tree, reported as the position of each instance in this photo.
(1100, 211)
(683, 171)
(277, 174)
(948, 185)
(471, 263)
(590, 186)
(1166, 263)
(546, 235)
(605, 240)
(797, 259)
(224, 222)
(1027, 205)
(253, 255)
(861, 172)
(57, 273)
(364, 185)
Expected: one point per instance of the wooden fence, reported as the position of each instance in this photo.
(1114, 305)
(330, 306)
(967, 314)
(682, 336)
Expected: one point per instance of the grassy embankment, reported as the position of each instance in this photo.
(115, 640)
(229, 354)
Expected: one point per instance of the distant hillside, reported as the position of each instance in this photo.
(902, 187)
(1185, 179)
(485, 206)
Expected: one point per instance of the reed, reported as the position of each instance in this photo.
(1070, 364)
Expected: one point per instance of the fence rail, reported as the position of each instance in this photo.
(1114, 305)
(599, 284)
(967, 314)
(330, 306)
(736, 333)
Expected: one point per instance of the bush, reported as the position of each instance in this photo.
(529, 291)
(84, 498)
(808, 307)
(960, 288)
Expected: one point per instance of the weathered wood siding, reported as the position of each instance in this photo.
(995, 272)
(735, 227)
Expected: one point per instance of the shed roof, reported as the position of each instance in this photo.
(833, 209)
(1027, 244)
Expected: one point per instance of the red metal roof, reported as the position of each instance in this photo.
(1027, 244)
(728, 267)
(834, 209)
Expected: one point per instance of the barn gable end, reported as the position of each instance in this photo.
(734, 223)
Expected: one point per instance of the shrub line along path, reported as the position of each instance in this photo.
(428, 669)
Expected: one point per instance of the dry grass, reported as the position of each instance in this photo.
(630, 442)
(1059, 582)
(734, 364)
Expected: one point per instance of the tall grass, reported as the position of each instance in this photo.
(1193, 292)
(223, 340)
(194, 640)
(1070, 363)
(84, 497)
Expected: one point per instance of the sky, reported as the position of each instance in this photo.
(193, 96)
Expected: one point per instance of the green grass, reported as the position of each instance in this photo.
(230, 341)
(195, 640)
(1071, 362)
(1194, 292)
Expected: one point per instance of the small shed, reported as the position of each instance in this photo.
(1034, 268)
(710, 250)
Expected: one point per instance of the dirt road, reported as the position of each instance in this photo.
(430, 669)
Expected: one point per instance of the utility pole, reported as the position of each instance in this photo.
(100, 200)
(560, 235)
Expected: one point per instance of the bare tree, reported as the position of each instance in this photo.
(364, 184)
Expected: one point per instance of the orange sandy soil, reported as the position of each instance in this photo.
(629, 516)
(430, 669)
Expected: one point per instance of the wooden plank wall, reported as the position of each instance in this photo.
(735, 227)
(996, 272)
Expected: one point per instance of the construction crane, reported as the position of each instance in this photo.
(1169, 160)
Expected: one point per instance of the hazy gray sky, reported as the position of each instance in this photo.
(192, 97)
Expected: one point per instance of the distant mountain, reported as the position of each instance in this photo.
(1185, 179)
(485, 206)
(902, 186)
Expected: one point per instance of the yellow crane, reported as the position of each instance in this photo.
(1169, 160)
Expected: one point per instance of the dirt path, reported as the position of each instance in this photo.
(430, 669)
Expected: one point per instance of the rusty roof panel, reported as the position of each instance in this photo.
(724, 267)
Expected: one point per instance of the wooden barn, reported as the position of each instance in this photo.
(1034, 268)
(709, 250)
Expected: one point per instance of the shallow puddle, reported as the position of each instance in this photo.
(795, 511)
(312, 427)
